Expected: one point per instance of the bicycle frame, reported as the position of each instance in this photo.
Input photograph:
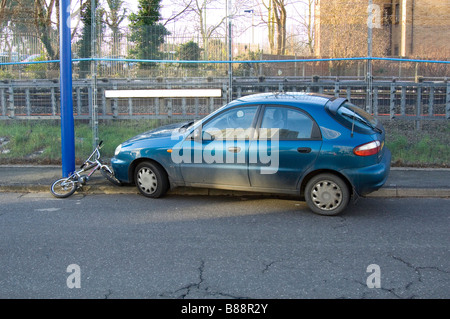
(64, 187)
(92, 162)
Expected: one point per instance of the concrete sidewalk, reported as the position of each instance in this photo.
(402, 182)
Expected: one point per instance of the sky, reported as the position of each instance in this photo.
(247, 26)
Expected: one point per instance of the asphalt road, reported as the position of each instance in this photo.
(128, 246)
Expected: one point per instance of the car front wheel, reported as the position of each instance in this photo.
(327, 194)
(151, 180)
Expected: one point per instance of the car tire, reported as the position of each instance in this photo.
(327, 194)
(151, 180)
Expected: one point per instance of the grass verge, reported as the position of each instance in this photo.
(39, 141)
(428, 147)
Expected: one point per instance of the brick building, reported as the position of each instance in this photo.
(406, 28)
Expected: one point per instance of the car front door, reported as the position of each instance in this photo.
(216, 153)
(288, 142)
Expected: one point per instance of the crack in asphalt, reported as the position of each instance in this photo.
(193, 285)
(394, 291)
(267, 266)
(417, 269)
(367, 295)
(184, 292)
(270, 264)
(108, 294)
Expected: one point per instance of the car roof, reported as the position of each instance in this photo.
(309, 98)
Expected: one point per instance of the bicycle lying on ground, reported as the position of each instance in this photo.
(64, 187)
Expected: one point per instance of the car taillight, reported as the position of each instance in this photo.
(368, 149)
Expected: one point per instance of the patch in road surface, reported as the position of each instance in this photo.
(52, 209)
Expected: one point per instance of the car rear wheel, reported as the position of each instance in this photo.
(327, 194)
(151, 180)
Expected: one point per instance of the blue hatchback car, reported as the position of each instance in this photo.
(320, 148)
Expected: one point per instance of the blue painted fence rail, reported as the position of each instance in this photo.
(40, 99)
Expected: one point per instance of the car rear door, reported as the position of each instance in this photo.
(288, 142)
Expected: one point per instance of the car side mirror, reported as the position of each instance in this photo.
(195, 135)
(201, 136)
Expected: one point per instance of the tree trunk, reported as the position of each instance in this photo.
(43, 24)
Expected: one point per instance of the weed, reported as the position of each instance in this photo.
(39, 142)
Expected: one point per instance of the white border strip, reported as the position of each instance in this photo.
(163, 93)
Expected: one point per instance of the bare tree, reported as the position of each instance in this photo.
(201, 12)
(113, 18)
(276, 23)
(46, 22)
(207, 17)
(305, 23)
(3, 10)
(184, 9)
(44, 25)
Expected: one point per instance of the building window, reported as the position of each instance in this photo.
(387, 15)
(397, 13)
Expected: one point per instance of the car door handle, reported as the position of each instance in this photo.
(234, 149)
(304, 150)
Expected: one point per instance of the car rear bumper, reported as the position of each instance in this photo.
(368, 179)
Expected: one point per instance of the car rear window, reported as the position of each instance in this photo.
(352, 116)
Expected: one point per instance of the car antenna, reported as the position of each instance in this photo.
(353, 125)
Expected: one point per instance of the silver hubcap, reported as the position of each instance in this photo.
(326, 195)
(147, 180)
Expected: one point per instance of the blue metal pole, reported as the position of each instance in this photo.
(67, 121)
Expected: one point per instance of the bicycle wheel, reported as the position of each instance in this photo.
(109, 175)
(63, 188)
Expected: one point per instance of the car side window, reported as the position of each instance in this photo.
(235, 123)
(287, 123)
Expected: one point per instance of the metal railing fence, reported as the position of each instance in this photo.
(39, 99)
